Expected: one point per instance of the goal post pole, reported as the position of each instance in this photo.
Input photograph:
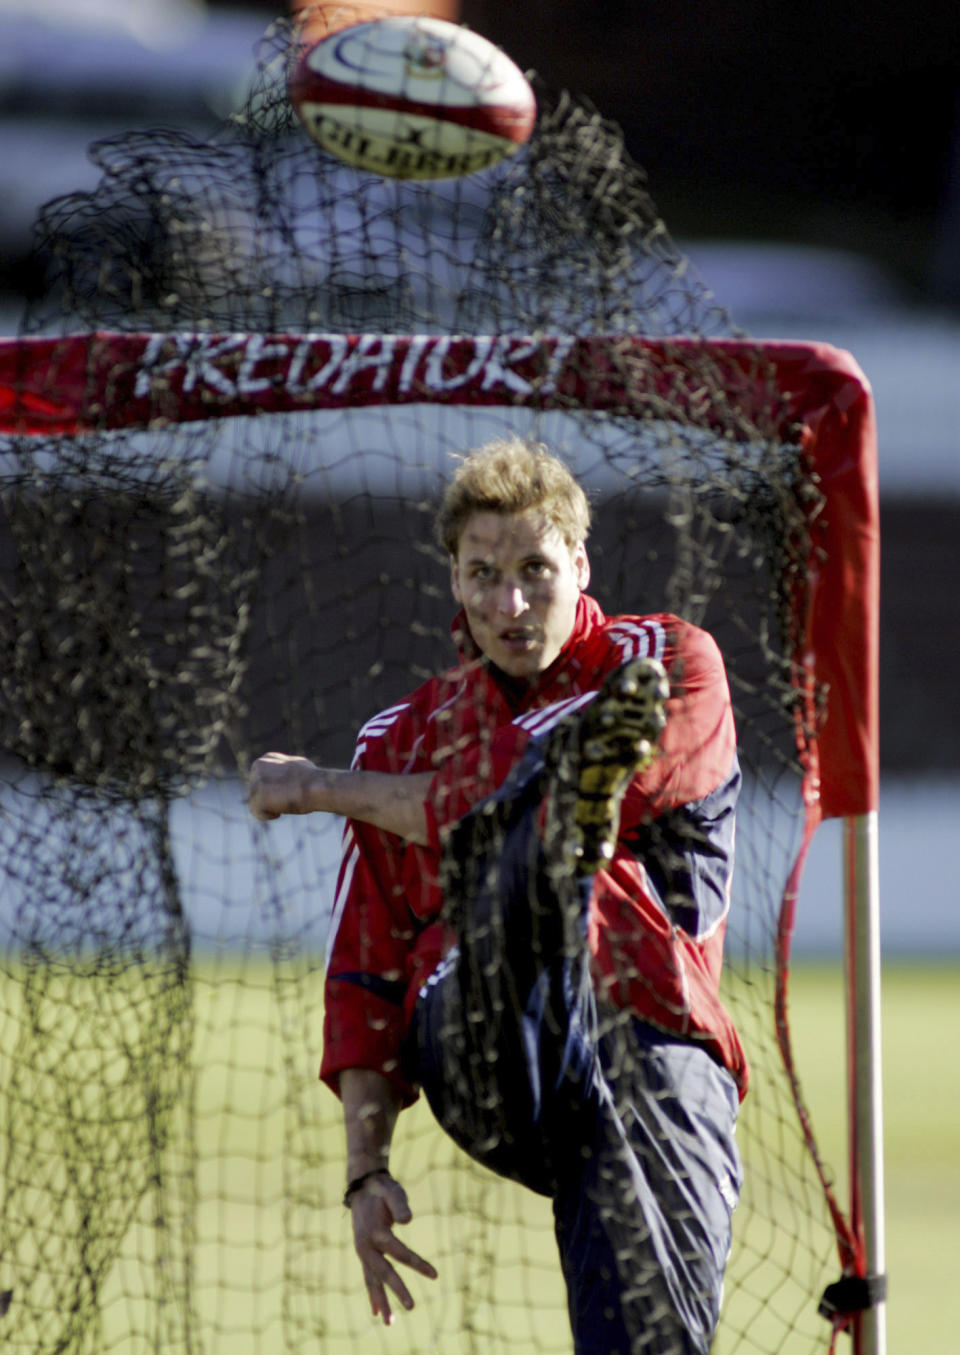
(864, 1073)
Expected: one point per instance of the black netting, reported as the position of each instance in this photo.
(179, 598)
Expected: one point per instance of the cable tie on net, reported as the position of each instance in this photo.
(359, 1182)
(852, 1294)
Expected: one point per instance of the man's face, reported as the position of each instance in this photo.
(518, 582)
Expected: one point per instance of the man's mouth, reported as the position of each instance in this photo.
(518, 639)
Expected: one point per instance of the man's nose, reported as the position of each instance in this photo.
(511, 600)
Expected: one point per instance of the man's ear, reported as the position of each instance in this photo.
(455, 580)
(581, 565)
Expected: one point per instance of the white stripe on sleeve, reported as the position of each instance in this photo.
(644, 640)
(348, 866)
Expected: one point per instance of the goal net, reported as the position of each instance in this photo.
(225, 430)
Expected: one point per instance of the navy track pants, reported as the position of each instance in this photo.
(629, 1131)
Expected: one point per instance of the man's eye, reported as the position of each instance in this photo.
(536, 567)
(483, 573)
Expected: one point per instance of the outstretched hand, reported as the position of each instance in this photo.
(280, 784)
(376, 1209)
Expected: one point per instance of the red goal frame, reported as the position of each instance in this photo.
(78, 383)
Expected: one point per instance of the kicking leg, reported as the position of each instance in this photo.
(643, 1215)
(508, 1018)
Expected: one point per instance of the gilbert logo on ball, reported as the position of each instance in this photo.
(412, 97)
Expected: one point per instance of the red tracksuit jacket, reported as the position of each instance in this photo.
(658, 913)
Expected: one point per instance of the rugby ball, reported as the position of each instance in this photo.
(412, 97)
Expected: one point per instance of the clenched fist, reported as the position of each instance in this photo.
(281, 784)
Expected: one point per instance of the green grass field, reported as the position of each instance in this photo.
(921, 1071)
(261, 1214)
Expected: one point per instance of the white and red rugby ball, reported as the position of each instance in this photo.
(412, 97)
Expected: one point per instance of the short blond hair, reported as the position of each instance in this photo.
(511, 475)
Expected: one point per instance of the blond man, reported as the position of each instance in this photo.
(528, 923)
